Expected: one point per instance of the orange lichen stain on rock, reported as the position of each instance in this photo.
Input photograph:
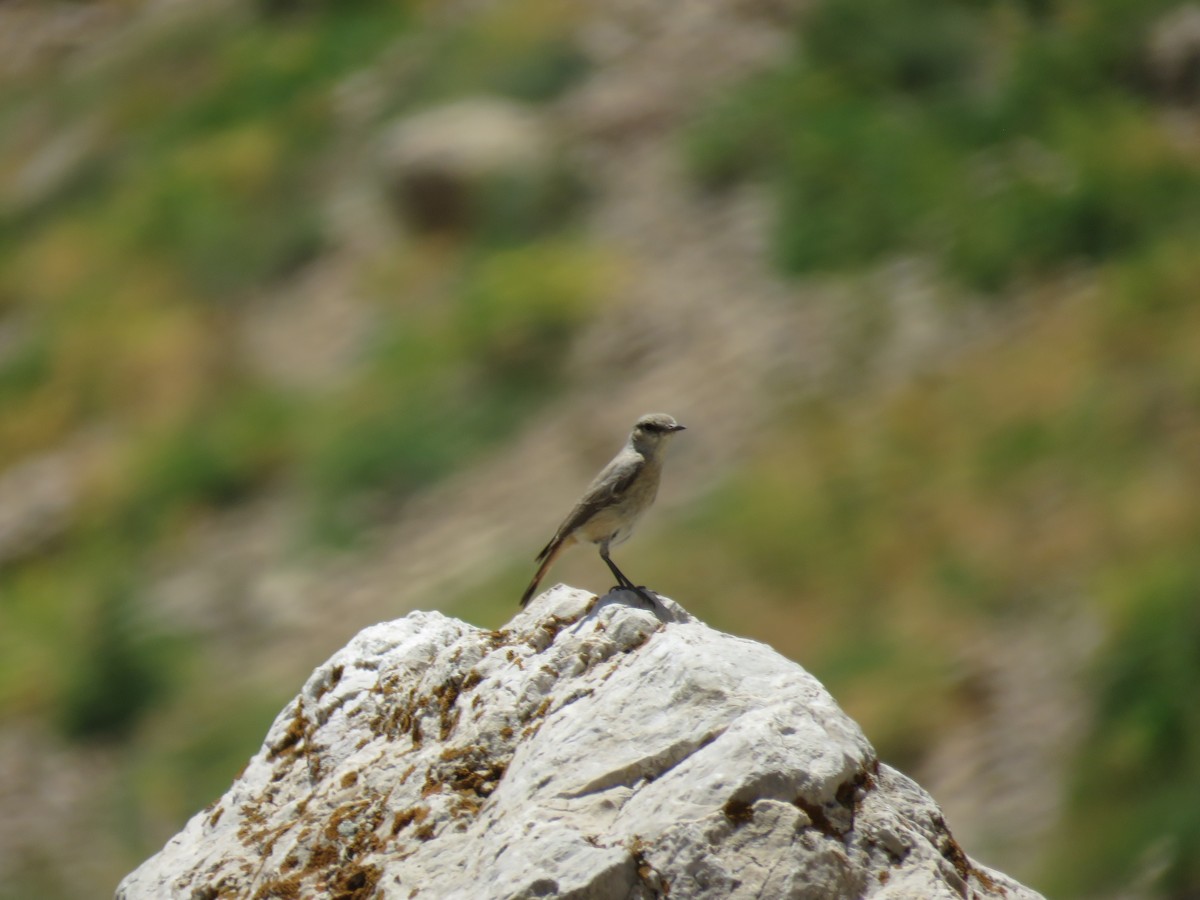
(354, 882)
(413, 815)
(473, 679)
(335, 675)
(286, 889)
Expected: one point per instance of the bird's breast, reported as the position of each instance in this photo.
(614, 522)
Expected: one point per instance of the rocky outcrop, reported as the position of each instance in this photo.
(590, 749)
(443, 167)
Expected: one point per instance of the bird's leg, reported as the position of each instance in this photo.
(623, 581)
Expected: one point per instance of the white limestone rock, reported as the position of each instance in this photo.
(587, 750)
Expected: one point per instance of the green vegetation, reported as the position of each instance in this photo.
(119, 675)
(516, 49)
(1145, 750)
(443, 382)
(1008, 143)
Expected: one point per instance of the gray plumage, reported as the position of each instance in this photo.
(615, 500)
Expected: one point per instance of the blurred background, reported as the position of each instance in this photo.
(315, 312)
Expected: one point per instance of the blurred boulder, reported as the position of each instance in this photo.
(450, 168)
(1173, 53)
(587, 749)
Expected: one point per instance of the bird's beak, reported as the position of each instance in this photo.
(679, 428)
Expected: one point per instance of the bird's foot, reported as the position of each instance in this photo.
(648, 595)
(642, 591)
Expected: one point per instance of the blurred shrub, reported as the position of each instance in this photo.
(520, 306)
(1143, 756)
(965, 131)
(214, 458)
(443, 383)
(520, 49)
(371, 457)
(1155, 287)
(229, 209)
(276, 73)
(543, 72)
(861, 179)
(1034, 205)
(23, 368)
(115, 675)
(911, 46)
(515, 208)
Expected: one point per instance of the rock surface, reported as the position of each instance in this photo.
(587, 750)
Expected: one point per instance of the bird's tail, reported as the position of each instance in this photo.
(545, 559)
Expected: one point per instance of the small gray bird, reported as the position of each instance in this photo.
(616, 498)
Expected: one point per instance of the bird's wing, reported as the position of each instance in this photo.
(612, 481)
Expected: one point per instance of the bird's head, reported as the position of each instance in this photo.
(652, 429)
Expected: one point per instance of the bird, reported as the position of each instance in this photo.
(614, 501)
